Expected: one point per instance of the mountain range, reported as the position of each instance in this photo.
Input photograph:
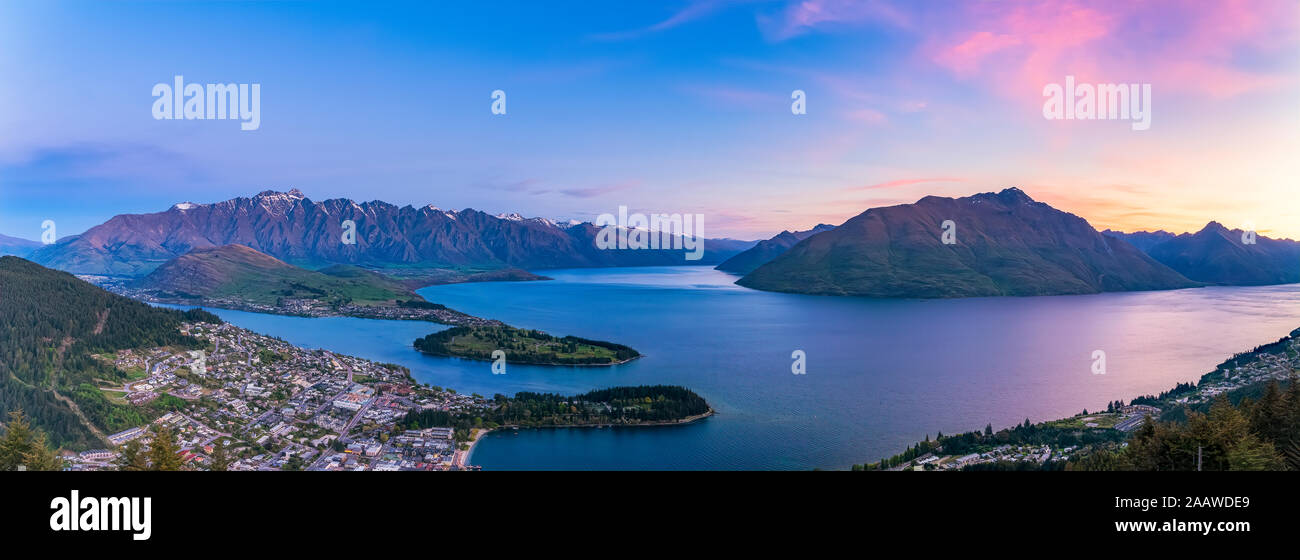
(293, 228)
(768, 249)
(1218, 255)
(1006, 244)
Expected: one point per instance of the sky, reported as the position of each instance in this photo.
(674, 106)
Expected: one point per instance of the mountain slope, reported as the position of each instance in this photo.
(768, 249)
(1217, 255)
(17, 246)
(53, 323)
(1007, 245)
(236, 271)
(293, 228)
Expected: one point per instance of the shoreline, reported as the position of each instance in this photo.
(1199, 391)
(427, 353)
(484, 322)
(474, 321)
(473, 444)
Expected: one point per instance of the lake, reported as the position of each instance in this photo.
(880, 374)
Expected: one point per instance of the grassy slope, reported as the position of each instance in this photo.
(239, 272)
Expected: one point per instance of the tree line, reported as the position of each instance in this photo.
(54, 322)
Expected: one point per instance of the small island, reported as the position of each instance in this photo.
(524, 346)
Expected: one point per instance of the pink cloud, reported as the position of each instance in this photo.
(1178, 47)
(965, 57)
(867, 116)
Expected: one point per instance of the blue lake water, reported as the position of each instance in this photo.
(881, 374)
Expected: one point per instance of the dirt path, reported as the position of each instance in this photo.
(103, 318)
(58, 363)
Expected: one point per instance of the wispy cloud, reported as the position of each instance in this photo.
(592, 192)
(694, 11)
(907, 182)
(801, 16)
(1199, 49)
(732, 96)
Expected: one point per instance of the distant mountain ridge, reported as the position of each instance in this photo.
(293, 228)
(1007, 244)
(1218, 255)
(17, 246)
(766, 250)
(1143, 240)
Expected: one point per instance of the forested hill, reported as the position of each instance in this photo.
(625, 406)
(50, 324)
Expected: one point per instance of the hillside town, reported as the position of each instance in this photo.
(1279, 361)
(274, 406)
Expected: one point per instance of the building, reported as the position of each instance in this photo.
(126, 435)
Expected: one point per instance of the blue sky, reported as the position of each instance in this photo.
(675, 106)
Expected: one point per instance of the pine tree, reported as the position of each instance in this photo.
(164, 455)
(220, 458)
(132, 458)
(25, 447)
(17, 440)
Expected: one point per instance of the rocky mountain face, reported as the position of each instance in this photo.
(1006, 244)
(291, 227)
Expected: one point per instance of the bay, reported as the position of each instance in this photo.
(881, 374)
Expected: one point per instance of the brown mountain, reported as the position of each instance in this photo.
(1006, 245)
(236, 271)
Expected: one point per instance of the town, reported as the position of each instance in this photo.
(273, 406)
(1279, 361)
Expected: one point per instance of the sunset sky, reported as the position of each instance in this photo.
(663, 106)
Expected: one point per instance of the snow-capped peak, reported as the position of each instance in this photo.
(185, 206)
